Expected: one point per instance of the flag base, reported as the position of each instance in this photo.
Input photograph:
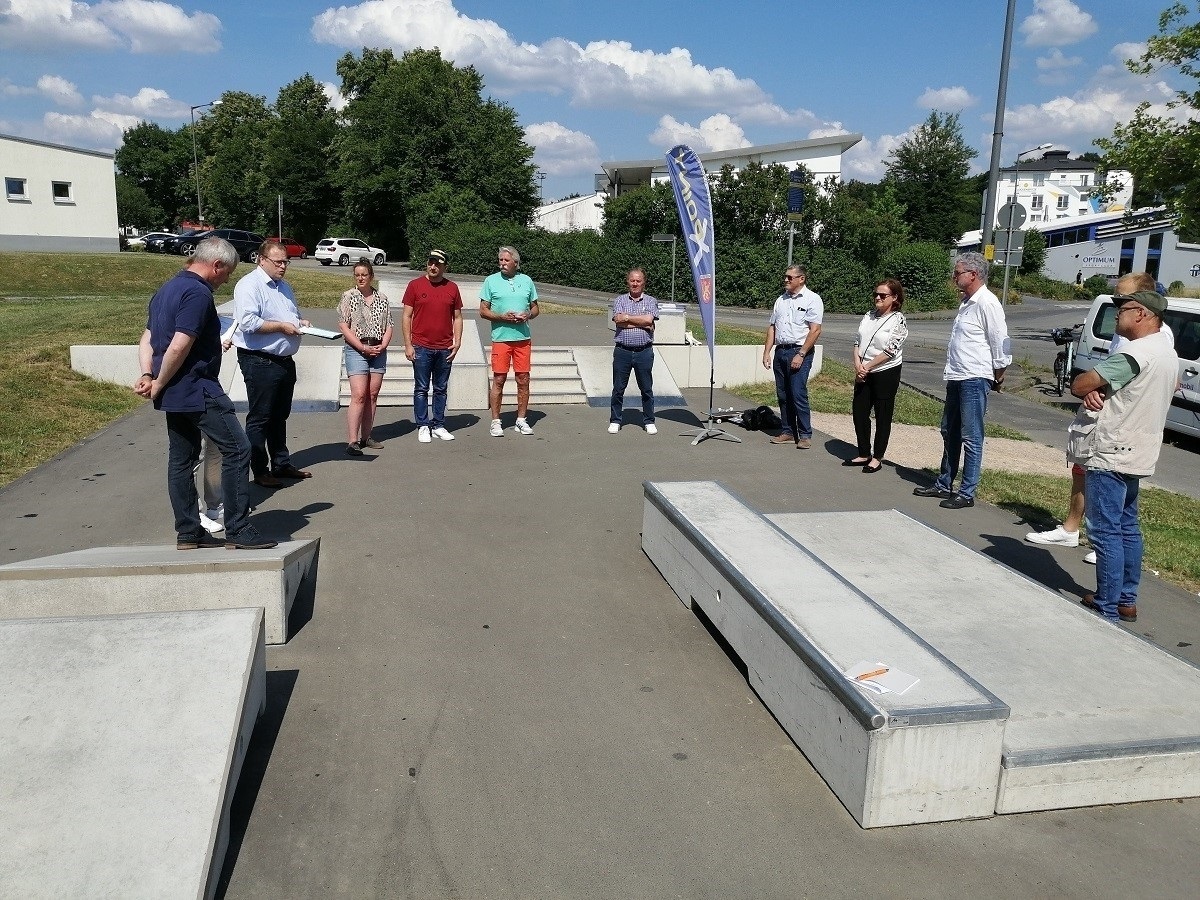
(710, 430)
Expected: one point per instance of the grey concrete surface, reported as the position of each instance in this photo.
(487, 622)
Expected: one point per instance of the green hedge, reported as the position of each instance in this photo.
(924, 270)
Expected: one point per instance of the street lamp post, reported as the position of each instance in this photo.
(1012, 212)
(662, 239)
(196, 159)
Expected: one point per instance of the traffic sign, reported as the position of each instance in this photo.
(1011, 215)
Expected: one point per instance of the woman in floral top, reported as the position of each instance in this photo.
(365, 317)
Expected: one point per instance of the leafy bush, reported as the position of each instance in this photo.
(1176, 289)
(1033, 257)
(924, 270)
(1095, 286)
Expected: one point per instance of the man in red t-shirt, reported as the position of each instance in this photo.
(432, 326)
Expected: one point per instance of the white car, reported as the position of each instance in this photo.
(345, 251)
(139, 242)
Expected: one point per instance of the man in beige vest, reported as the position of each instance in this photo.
(1131, 394)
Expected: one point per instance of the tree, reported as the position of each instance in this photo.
(1033, 256)
(637, 214)
(751, 202)
(419, 121)
(1163, 152)
(867, 224)
(157, 162)
(296, 163)
(929, 174)
(134, 206)
(233, 143)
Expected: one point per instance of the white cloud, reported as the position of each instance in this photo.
(867, 160)
(1056, 60)
(8, 89)
(1129, 50)
(950, 99)
(609, 74)
(148, 103)
(1086, 115)
(557, 150)
(336, 99)
(61, 91)
(141, 26)
(97, 129)
(1056, 23)
(717, 132)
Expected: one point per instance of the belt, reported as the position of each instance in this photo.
(370, 342)
(262, 353)
(788, 346)
(638, 347)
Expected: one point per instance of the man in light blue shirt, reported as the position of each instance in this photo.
(267, 337)
(508, 300)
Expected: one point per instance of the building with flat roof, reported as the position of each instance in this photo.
(57, 198)
(1058, 187)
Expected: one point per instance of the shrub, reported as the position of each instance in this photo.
(924, 270)
(1176, 289)
(1095, 286)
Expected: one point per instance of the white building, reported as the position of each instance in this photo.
(573, 214)
(1058, 187)
(57, 198)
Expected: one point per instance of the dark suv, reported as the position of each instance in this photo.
(246, 242)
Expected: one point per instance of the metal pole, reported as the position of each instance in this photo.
(791, 238)
(672, 269)
(279, 211)
(196, 169)
(989, 211)
(1012, 215)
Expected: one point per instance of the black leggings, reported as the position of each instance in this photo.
(878, 393)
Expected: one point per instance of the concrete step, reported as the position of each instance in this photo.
(124, 737)
(1098, 714)
(160, 579)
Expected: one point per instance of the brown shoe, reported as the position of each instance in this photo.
(782, 439)
(268, 481)
(290, 472)
(804, 444)
(1126, 612)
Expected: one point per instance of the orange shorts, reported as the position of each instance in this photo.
(516, 353)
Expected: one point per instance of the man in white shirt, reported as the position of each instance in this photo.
(792, 333)
(267, 337)
(976, 357)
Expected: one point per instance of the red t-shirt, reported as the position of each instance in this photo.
(433, 307)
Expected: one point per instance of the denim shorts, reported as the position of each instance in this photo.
(357, 364)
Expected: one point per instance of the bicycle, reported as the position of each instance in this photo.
(1064, 362)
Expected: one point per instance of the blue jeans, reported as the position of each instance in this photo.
(962, 433)
(1113, 529)
(185, 433)
(640, 362)
(430, 367)
(270, 382)
(791, 389)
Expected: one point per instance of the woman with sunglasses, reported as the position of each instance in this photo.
(365, 317)
(877, 360)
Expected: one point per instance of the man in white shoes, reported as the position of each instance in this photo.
(432, 327)
(508, 300)
(634, 315)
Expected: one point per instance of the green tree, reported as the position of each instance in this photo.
(134, 206)
(296, 161)
(929, 174)
(866, 224)
(752, 202)
(158, 162)
(1033, 257)
(1163, 152)
(637, 214)
(233, 140)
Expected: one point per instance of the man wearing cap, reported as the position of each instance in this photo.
(1131, 393)
(267, 338)
(792, 333)
(432, 328)
(508, 300)
(634, 315)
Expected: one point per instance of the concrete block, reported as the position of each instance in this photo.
(124, 738)
(734, 365)
(930, 754)
(1098, 714)
(105, 580)
(595, 371)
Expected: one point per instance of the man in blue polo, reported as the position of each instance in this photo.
(180, 357)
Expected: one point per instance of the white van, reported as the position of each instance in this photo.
(1183, 318)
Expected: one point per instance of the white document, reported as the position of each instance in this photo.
(320, 332)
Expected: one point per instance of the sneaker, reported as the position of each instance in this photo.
(202, 541)
(651, 428)
(423, 434)
(497, 430)
(1057, 536)
(370, 444)
(614, 427)
(249, 539)
(1090, 558)
(442, 434)
(522, 427)
(353, 449)
(211, 523)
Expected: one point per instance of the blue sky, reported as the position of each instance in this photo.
(594, 82)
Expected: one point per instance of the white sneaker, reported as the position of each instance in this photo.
(614, 427)
(209, 523)
(1056, 536)
(423, 434)
(497, 429)
(651, 428)
(522, 427)
(442, 434)
(1090, 558)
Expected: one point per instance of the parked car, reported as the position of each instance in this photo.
(1183, 318)
(344, 251)
(246, 242)
(139, 242)
(293, 247)
(161, 245)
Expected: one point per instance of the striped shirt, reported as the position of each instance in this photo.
(633, 337)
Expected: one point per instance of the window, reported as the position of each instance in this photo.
(1083, 180)
(14, 188)
(1036, 202)
(1062, 202)
(1039, 180)
(61, 191)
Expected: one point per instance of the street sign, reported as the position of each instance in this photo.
(796, 197)
(1009, 240)
(1011, 215)
(1008, 258)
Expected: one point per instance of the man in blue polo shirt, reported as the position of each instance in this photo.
(180, 357)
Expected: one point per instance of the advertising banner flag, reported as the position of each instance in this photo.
(695, 216)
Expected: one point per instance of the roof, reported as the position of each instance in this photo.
(23, 140)
(1055, 161)
(1148, 218)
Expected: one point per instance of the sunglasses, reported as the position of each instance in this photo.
(879, 296)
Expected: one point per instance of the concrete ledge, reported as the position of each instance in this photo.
(124, 737)
(1099, 715)
(595, 371)
(735, 364)
(104, 580)
(931, 754)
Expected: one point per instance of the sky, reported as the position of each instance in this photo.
(618, 80)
